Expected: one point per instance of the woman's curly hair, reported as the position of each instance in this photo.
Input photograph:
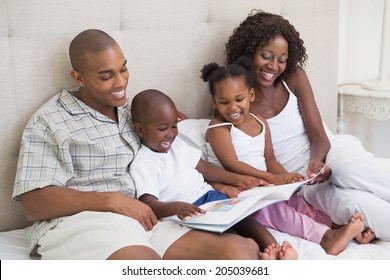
(257, 30)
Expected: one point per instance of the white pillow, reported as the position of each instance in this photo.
(193, 132)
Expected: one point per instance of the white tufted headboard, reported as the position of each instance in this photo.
(166, 44)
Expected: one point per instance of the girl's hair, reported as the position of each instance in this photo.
(257, 30)
(213, 73)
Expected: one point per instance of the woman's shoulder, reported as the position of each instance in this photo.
(259, 117)
(296, 77)
(262, 120)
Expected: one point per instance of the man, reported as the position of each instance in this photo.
(73, 179)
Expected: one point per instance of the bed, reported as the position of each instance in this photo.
(163, 52)
(13, 246)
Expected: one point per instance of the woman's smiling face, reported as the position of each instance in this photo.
(270, 61)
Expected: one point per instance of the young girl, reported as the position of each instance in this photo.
(168, 173)
(241, 142)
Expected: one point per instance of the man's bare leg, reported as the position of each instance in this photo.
(135, 253)
(199, 245)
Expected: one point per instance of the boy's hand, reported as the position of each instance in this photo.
(185, 210)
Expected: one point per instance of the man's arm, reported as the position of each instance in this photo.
(54, 201)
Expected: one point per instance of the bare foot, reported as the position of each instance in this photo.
(277, 252)
(334, 241)
(365, 237)
(271, 252)
(287, 252)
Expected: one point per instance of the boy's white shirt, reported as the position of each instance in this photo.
(169, 176)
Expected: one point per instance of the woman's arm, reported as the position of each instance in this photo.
(299, 84)
(55, 201)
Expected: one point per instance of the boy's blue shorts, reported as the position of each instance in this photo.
(211, 195)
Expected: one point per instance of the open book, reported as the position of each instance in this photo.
(223, 214)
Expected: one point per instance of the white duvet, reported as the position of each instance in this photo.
(13, 246)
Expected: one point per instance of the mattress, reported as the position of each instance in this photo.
(13, 246)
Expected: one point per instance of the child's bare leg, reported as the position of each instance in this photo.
(265, 240)
(287, 252)
(334, 241)
(365, 237)
(251, 228)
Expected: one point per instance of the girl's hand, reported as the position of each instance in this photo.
(247, 182)
(230, 191)
(185, 210)
(314, 167)
(286, 178)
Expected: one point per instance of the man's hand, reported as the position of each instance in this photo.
(135, 209)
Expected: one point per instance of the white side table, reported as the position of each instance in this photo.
(365, 114)
(372, 104)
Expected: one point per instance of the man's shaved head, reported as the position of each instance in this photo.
(91, 40)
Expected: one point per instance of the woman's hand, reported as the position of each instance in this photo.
(316, 166)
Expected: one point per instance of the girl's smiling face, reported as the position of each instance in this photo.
(270, 61)
(232, 99)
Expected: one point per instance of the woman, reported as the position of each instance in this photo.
(357, 182)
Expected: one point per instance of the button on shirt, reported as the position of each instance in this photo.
(66, 143)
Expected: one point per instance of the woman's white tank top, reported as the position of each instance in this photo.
(289, 137)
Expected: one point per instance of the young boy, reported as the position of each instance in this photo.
(170, 175)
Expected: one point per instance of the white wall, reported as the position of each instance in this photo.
(359, 40)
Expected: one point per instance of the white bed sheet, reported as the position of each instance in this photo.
(13, 246)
